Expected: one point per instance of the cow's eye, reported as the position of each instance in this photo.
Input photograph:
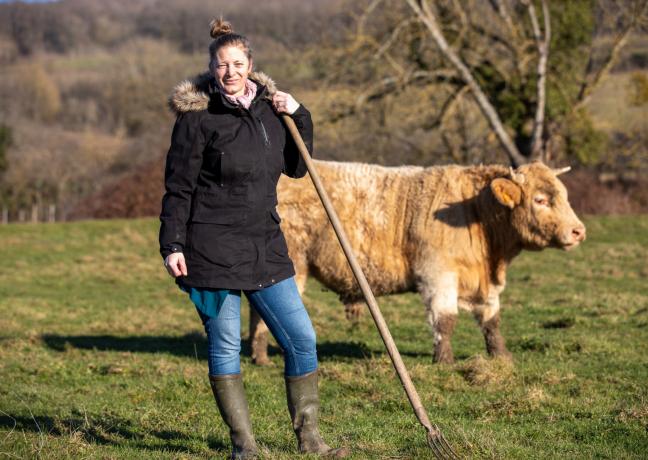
(541, 200)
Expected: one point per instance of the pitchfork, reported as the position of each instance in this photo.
(435, 439)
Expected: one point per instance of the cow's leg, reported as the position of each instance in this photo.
(353, 310)
(440, 298)
(488, 317)
(301, 274)
(258, 339)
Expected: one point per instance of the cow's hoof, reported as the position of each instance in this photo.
(261, 361)
(501, 354)
(445, 357)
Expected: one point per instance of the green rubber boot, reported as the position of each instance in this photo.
(232, 404)
(303, 404)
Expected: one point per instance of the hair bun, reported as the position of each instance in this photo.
(220, 27)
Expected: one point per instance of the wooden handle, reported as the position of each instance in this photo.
(378, 318)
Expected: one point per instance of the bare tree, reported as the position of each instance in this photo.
(498, 54)
(427, 17)
(542, 40)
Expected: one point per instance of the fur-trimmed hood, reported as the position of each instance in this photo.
(193, 95)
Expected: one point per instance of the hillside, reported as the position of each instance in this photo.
(83, 88)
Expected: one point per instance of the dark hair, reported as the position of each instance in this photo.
(223, 34)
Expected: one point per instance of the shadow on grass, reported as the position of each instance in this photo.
(358, 350)
(189, 345)
(102, 430)
(195, 346)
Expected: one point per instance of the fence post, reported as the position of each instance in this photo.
(21, 215)
(51, 213)
(34, 213)
(5, 215)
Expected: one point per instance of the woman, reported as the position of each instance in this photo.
(220, 233)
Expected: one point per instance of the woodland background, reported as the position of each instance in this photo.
(84, 125)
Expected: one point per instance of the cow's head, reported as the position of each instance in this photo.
(540, 212)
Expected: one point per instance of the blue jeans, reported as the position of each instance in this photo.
(282, 309)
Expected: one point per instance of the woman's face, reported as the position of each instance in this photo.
(232, 69)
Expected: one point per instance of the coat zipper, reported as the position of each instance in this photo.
(266, 139)
(265, 133)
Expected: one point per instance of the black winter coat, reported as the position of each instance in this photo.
(221, 180)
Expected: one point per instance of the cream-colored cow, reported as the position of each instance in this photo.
(448, 232)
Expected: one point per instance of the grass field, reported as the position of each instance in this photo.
(101, 356)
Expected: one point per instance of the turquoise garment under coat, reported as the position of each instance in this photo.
(208, 301)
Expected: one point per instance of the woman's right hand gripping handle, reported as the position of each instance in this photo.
(175, 264)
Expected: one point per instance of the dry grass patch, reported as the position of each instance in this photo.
(481, 371)
(535, 397)
(554, 377)
(637, 413)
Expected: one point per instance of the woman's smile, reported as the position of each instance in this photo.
(232, 70)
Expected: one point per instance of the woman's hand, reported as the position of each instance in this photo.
(284, 103)
(175, 264)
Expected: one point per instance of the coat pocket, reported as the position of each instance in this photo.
(235, 167)
(212, 163)
(216, 246)
(217, 208)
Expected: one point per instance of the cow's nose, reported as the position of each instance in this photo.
(579, 233)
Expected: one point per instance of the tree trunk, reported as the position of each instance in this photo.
(427, 17)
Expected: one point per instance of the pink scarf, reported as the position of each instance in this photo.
(246, 99)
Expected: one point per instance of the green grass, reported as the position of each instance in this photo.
(101, 356)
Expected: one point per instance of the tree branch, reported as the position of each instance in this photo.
(502, 10)
(543, 52)
(390, 85)
(448, 107)
(463, 18)
(516, 45)
(392, 37)
(588, 85)
(494, 37)
(362, 21)
(534, 20)
(429, 20)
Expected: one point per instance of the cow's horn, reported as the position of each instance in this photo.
(560, 171)
(516, 176)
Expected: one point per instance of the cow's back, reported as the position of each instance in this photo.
(372, 203)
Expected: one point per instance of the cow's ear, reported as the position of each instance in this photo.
(507, 192)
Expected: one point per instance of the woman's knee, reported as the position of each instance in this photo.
(304, 342)
(301, 358)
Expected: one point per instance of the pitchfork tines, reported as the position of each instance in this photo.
(439, 445)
